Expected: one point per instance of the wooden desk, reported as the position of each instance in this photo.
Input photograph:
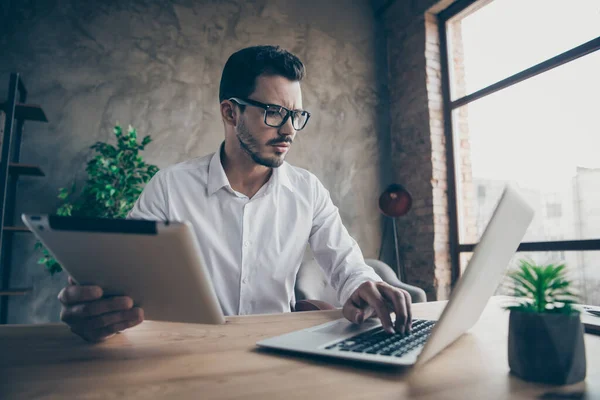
(181, 361)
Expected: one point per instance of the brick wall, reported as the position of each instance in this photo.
(439, 181)
(413, 148)
(418, 143)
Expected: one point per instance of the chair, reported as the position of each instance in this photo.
(313, 292)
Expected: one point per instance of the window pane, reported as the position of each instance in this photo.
(583, 269)
(544, 135)
(505, 37)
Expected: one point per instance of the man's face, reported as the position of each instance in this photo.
(264, 144)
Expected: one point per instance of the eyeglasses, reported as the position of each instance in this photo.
(276, 116)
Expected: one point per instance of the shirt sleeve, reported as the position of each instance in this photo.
(335, 250)
(152, 203)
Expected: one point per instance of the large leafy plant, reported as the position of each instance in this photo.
(542, 289)
(116, 177)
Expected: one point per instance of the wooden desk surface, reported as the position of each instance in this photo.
(181, 361)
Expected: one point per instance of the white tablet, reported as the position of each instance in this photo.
(157, 264)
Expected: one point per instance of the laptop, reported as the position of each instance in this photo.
(370, 343)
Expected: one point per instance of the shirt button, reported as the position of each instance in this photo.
(246, 243)
(245, 280)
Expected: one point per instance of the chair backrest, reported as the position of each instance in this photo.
(311, 283)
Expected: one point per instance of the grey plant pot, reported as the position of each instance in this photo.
(546, 348)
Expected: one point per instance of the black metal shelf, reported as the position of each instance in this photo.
(23, 229)
(15, 292)
(25, 169)
(17, 111)
(26, 112)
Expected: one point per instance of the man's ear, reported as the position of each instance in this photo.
(228, 112)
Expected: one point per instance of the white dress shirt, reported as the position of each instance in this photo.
(253, 248)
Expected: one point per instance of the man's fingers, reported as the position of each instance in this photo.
(79, 311)
(408, 298)
(73, 294)
(93, 317)
(105, 320)
(357, 314)
(101, 334)
(357, 309)
(118, 327)
(352, 310)
(397, 298)
(353, 313)
(371, 295)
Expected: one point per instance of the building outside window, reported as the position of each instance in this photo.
(523, 90)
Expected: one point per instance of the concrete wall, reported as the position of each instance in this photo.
(156, 65)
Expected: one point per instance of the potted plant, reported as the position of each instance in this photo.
(116, 177)
(545, 340)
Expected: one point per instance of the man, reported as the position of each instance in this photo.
(252, 213)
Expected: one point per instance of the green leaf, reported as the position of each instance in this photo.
(116, 176)
(541, 288)
(63, 193)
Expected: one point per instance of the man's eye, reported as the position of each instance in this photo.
(274, 112)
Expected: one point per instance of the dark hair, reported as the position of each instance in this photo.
(244, 66)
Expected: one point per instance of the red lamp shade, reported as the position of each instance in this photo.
(395, 201)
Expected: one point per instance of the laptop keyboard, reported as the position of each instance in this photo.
(378, 341)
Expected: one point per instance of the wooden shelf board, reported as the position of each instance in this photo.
(15, 292)
(29, 112)
(25, 169)
(16, 229)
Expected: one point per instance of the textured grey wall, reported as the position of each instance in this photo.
(156, 65)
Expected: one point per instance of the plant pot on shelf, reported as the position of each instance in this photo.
(546, 348)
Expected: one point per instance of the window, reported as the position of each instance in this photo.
(523, 104)
(582, 269)
(554, 210)
(481, 193)
(503, 37)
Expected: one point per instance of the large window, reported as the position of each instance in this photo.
(522, 97)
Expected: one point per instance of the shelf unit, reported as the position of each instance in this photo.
(16, 111)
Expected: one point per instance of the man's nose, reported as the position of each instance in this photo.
(287, 129)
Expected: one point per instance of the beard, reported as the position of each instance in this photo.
(252, 147)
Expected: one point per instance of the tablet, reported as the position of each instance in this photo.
(157, 264)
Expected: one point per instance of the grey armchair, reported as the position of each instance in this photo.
(388, 275)
(311, 285)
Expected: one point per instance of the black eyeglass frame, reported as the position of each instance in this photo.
(254, 103)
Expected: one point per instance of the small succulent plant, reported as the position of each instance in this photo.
(542, 289)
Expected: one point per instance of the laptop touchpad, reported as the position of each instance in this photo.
(343, 327)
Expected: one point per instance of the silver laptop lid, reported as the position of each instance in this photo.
(484, 272)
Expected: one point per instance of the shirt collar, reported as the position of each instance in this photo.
(216, 174)
(217, 178)
(282, 177)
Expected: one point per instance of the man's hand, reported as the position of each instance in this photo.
(95, 318)
(380, 299)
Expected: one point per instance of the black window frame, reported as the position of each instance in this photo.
(450, 105)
